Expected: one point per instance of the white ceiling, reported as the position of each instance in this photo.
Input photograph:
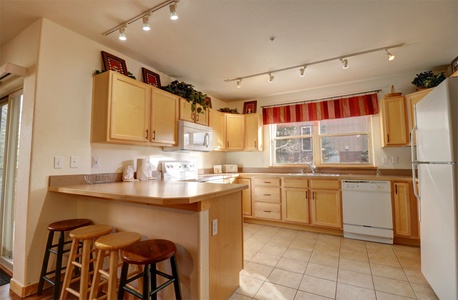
(214, 40)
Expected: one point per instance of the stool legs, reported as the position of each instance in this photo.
(176, 283)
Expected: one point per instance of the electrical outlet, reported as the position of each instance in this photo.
(58, 162)
(395, 160)
(95, 162)
(214, 227)
(73, 161)
(384, 160)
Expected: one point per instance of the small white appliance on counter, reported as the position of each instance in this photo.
(367, 213)
(230, 169)
(192, 137)
(435, 157)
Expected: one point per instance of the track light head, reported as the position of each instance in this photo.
(344, 63)
(122, 35)
(146, 23)
(302, 71)
(389, 55)
(239, 83)
(173, 12)
(271, 77)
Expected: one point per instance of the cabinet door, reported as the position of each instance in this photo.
(411, 100)
(186, 113)
(405, 211)
(253, 132)
(217, 121)
(235, 132)
(246, 195)
(295, 205)
(394, 122)
(164, 114)
(202, 117)
(326, 208)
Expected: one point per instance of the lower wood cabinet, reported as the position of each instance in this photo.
(295, 200)
(326, 208)
(405, 211)
(246, 196)
(267, 198)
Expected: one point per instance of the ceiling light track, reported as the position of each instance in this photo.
(343, 59)
(146, 14)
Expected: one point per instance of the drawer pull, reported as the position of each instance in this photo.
(267, 211)
(267, 181)
(266, 194)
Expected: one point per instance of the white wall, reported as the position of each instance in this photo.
(401, 84)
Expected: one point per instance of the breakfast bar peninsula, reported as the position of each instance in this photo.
(204, 220)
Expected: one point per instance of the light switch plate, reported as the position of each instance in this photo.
(214, 227)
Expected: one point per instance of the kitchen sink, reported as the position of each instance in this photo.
(313, 174)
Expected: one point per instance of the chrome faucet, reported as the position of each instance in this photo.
(312, 167)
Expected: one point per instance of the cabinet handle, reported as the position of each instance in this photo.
(255, 144)
(197, 117)
(396, 189)
(227, 144)
(147, 134)
(267, 181)
(154, 134)
(313, 195)
(387, 137)
(267, 211)
(266, 194)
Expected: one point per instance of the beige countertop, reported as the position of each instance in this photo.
(151, 192)
(330, 176)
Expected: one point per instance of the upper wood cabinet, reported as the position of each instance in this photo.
(253, 132)
(394, 122)
(228, 131)
(411, 100)
(217, 123)
(187, 114)
(127, 111)
(164, 115)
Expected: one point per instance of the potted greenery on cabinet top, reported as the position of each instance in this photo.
(188, 92)
(428, 79)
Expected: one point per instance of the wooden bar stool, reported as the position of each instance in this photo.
(111, 243)
(57, 249)
(148, 253)
(85, 235)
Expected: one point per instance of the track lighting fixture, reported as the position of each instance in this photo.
(389, 55)
(271, 77)
(122, 35)
(302, 71)
(144, 16)
(146, 23)
(173, 12)
(239, 83)
(303, 66)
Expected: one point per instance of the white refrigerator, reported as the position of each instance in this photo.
(435, 158)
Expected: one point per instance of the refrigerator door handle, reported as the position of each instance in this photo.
(414, 163)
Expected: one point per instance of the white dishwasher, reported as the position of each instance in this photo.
(367, 213)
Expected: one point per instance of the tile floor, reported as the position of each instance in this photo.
(291, 264)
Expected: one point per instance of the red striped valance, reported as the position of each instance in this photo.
(354, 106)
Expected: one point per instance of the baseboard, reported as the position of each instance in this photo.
(22, 291)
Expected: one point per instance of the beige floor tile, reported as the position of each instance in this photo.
(318, 286)
(324, 259)
(249, 286)
(379, 248)
(393, 286)
(415, 276)
(274, 248)
(303, 244)
(253, 243)
(382, 259)
(285, 278)
(291, 264)
(271, 291)
(329, 249)
(257, 271)
(354, 255)
(407, 252)
(321, 271)
(424, 292)
(297, 254)
(350, 292)
(300, 295)
(266, 259)
(236, 296)
(354, 265)
(412, 264)
(355, 278)
(388, 272)
(387, 296)
(308, 235)
(249, 253)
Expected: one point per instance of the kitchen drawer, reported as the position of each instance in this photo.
(295, 183)
(325, 184)
(267, 181)
(267, 210)
(267, 194)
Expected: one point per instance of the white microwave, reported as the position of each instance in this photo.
(192, 137)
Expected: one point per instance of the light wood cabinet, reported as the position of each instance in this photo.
(228, 131)
(164, 113)
(187, 114)
(253, 132)
(217, 123)
(267, 198)
(295, 200)
(405, 211)
(325, 203)
(246, 195)
(127, 111)
(120, 109)
(411, 100)
(394, 122)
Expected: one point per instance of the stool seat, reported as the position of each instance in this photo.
(67, 225)
(116, 241)
(148, 252)
(90, 232)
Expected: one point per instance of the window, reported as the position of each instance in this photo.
(340, 141)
